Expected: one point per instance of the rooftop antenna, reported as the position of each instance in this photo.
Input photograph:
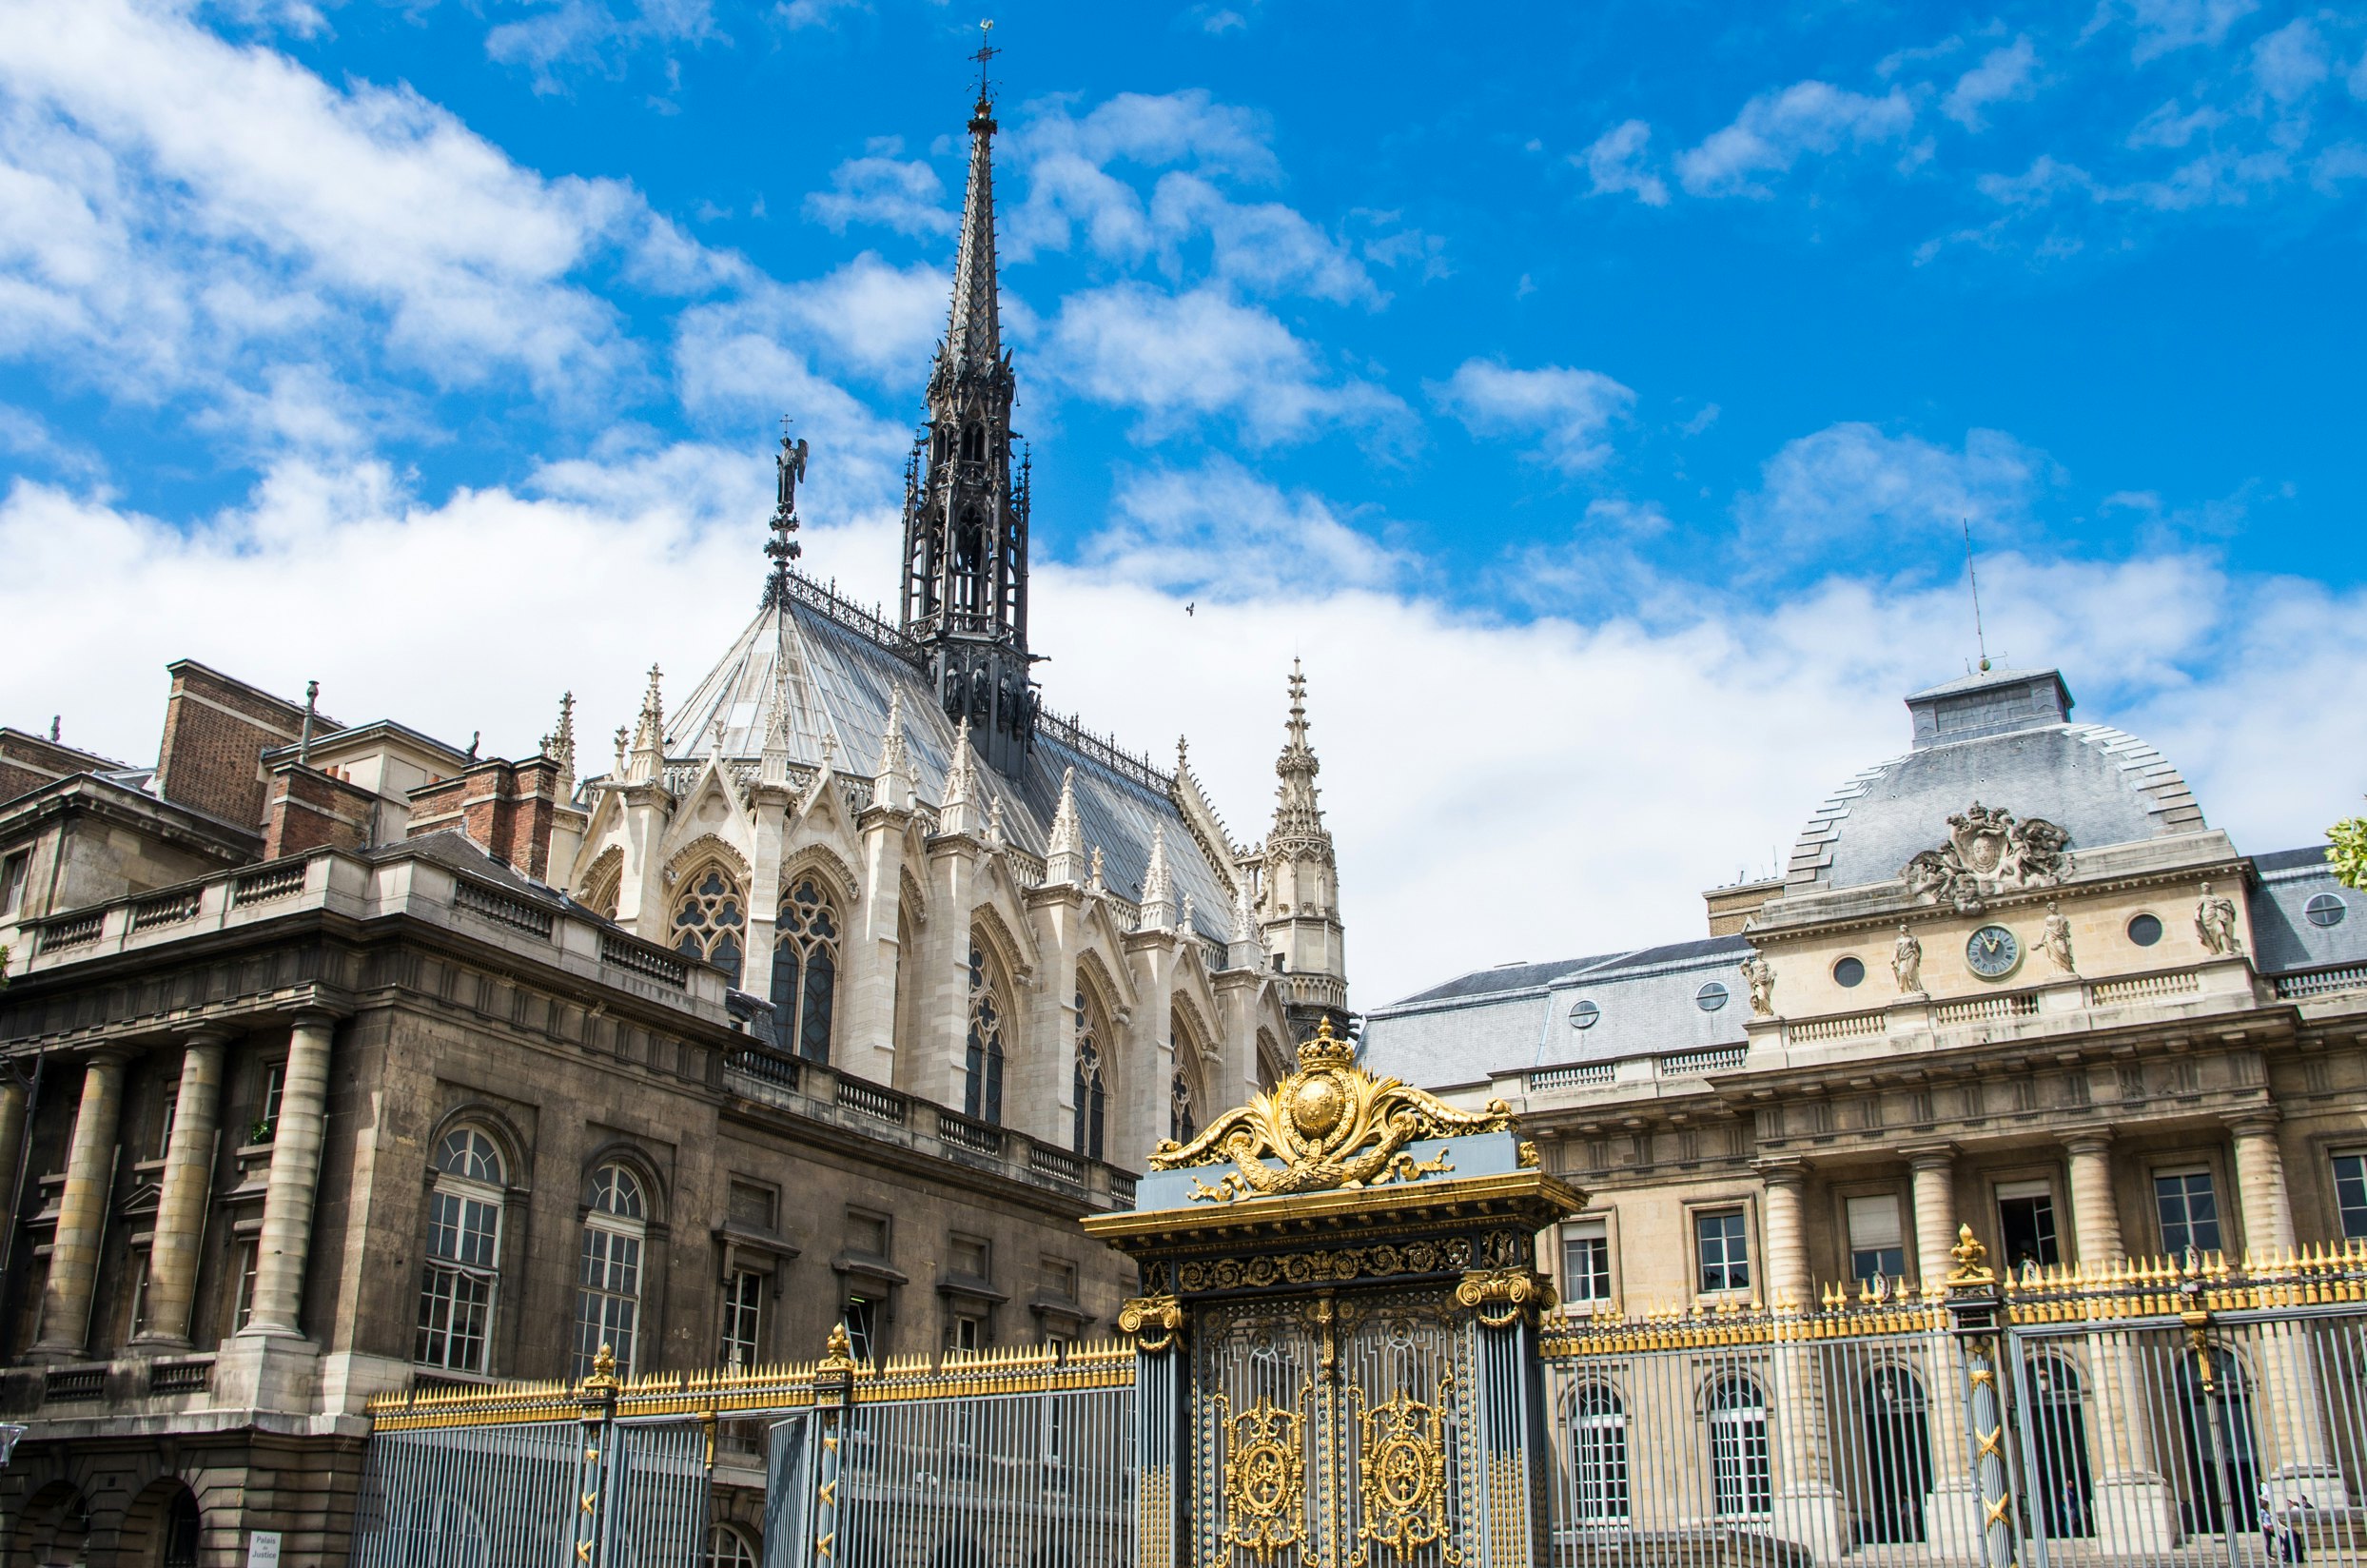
(1975, 577)
(303, 740)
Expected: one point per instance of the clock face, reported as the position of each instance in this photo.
(1992, 951)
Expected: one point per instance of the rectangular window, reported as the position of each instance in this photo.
(867, 1233)
(968, 1258)
(608, 1299)
(242, 1307)
(1722, 1242)
(863, 1328)
(456, 1285)
(139, 1293)
(163, 1131)
(1586, 1262)
(751, 1205)
(2350, 1194)
(2025, 1224)
(13, 872)
(1060, 1279)
(267, 1116)
(2189, 1209)
(966, 1331)
(743, 1313)
(1876, 1247)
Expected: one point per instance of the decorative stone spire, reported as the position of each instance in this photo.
(1300, 914)
(559, 745)
(1244, 952)
(1183, 921)
(649, 735)
(1064, 851)
(790, 465)
(620, 754)
(1097, 884)
(958, 812)
(772, 766)
(1158, 886)
(995, 823)
(893, 785)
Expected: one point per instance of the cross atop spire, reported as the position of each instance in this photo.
(987, 51)
(974, 339)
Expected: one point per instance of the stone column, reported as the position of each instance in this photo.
(1787, 1279)
(2260, 1184)
(12, 1092)
(2288, 1397)
(286, 1240)
(1935, 1214)
(82, 1211)
(2095, 1215)
(181, 1202)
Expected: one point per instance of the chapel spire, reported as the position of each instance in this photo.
(964, 590)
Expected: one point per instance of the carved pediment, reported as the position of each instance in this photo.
(1989, 851)
(1330, 1125)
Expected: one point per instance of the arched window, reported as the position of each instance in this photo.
(1183, 1098)
(728, 1548)
(710, 921)
(1897, 1472)
(2052, 1408)
(602, 888)
(608, 1288)
(463, 1269)
(1091, 1085)
(1272, 1067)
(982, 1092)
(1182, 1126)
(1738, 1462)
(973, 444)
(805, 971)
(1598, 1455)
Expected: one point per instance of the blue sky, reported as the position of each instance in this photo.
(1590, 394)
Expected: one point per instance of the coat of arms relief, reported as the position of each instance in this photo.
(1989, 851)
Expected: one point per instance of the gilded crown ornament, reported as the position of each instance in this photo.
(1330, 1125)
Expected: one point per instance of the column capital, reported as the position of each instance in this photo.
(2095, 1139)
(216, 1032)
(1781, 1171)
(1931, 1156)
(315, 1016)
(113, 1054)
(2254, 1122)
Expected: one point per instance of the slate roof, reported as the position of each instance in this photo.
(843, 663)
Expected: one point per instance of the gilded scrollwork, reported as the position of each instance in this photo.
(1330, 1125)
(1401, 1464)
(1152, 1321)
(1502, 1297)
(1265, 1484)
(1331, 1266)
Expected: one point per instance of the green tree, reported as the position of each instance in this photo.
(2346, 846)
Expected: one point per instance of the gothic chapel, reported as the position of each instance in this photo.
(933, 883)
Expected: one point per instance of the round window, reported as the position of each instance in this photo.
(1849, 971)
(1583, 1013)
(2144, 929)
(2326, 910)
(1709, 997)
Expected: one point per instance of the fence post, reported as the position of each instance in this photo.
(833, 1401)
(1977, 1317)
(1156, 1325)
(597, 1411)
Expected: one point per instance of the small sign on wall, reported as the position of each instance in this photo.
(263, 1549)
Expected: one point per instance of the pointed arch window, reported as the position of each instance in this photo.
(463, 1274)
(1183, 1116)
(1091, 1083)
(603, 887)
(608, 1287)
(710, 921)
(982, 1093)
(805, 970)
(973, 444)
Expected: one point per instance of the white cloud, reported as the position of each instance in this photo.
(2164, 27)
(1847, 479)
(591, 32)
(905, 195)
(815, 13)
(2291, 63)
(172, 208)
(2004, 74)
(1174, 357)
(1614, 164)
(1775, 130)
(1221, 531)
(1565, 410)
(1264, 246)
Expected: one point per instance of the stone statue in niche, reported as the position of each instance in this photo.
(1988, 851)
(2056, 939)
(2215, 922)
(1760, 976)
(1906, 963)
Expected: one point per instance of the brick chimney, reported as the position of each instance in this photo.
(505, 807)
(216, 731)
(305, 809)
